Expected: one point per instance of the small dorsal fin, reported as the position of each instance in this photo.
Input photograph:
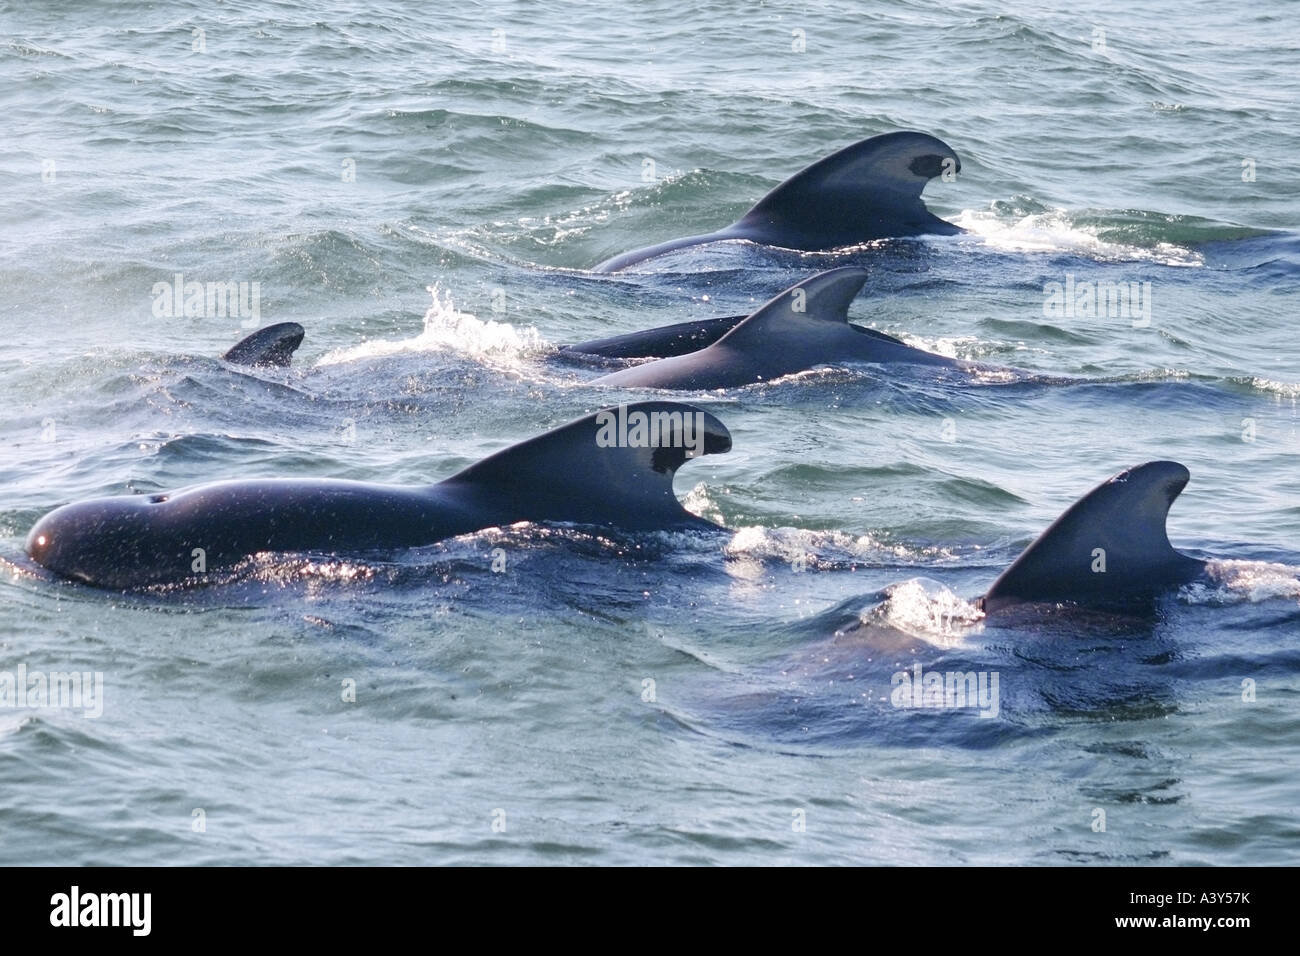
(613, 467)
(824, 297)
(272, 345)
(1109, 545)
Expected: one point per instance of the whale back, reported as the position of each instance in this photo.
(679, 338)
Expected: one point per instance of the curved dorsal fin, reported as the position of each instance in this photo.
(870, 190)
(613, 467)
(272, 345)
(1110, 544)
(824, 297)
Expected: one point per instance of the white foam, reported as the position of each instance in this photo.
(1053, 231)
(815, 548)
(1284, 389)
(967, 348)
(1240, 582)
(924, 609)
(699, 502)
(13, 721)
(447, 329)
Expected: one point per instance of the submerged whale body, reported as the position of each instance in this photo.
(596, 470)
(805, 326)
(870, 190)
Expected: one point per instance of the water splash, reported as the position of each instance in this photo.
(823, 550)
(1244, 582)
(699, 502)
(446, 329)
(1054, 229)
(1289, 390)
(917, 608)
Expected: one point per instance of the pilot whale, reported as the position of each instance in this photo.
(803, 327)
(1110, 547)
(870, 190)
(1108, 552)
(614, 467)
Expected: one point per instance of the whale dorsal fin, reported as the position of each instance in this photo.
(272, 345)
(613, 467)
(824, 297)
(1119, 526)
(870, 190)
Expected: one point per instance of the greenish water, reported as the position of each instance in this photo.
(347, 159)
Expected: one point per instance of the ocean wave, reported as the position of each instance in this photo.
(1270, 386)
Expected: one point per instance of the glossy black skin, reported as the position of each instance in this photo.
(561, 476)
(680, 338)
(273, 345)
(867, 191)
(1124, 518)
(776, 340)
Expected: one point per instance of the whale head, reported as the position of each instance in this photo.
(107, 542)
